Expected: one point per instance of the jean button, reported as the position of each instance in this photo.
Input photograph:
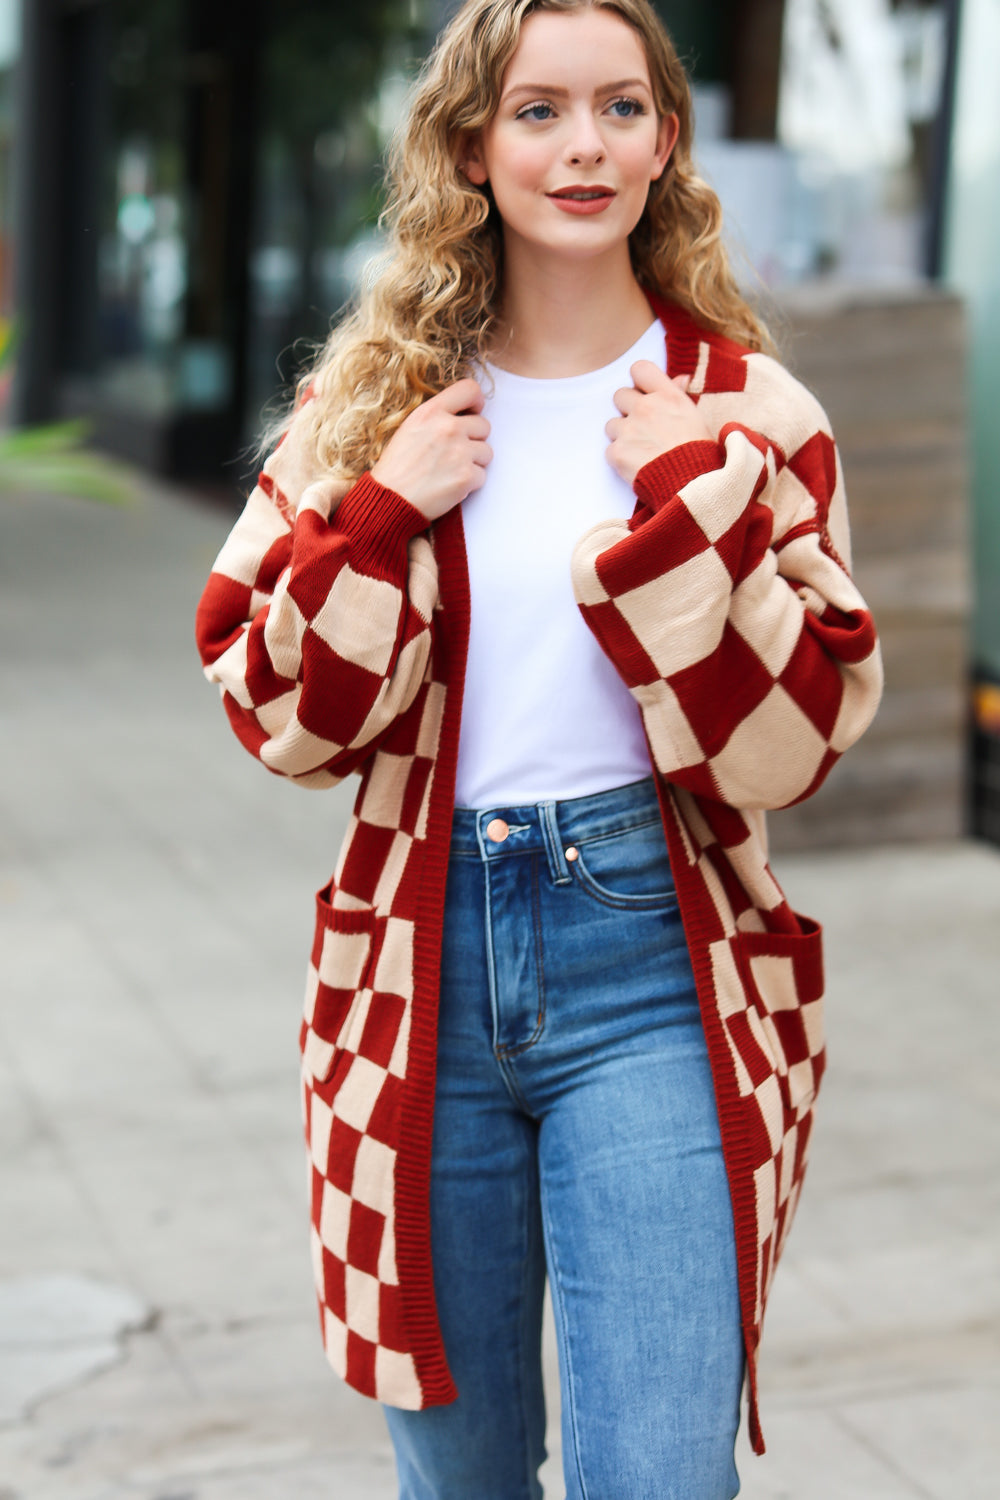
(497, 830)
(572, 853)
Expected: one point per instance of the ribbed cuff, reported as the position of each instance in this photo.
(379, 524)
(664, 476)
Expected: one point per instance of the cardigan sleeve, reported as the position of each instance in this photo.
(316, 618)
(727, 607)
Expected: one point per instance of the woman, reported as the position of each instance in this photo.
(560, 1018)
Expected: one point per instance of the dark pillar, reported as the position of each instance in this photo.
(222, 112)
(755, 30)
(37, 217)
(61, 112)
(82, 53)
(940, 148)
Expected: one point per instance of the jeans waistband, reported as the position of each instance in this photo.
(551, 827)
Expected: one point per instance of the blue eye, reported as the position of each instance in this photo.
(540, 111)
(626, 108)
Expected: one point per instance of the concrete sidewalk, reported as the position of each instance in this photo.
(158, 1337)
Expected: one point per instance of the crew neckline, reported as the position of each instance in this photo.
(566, 385)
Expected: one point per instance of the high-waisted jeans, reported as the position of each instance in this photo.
(575, 1133)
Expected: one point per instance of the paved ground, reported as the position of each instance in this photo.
(150, 1164)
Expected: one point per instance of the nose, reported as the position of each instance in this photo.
(585, 147)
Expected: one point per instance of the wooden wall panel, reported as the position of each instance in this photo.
(890, 371)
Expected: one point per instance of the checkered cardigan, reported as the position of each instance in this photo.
(336, 623)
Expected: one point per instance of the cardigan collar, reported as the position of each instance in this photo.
(685, 338)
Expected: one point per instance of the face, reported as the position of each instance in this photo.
(575, 142)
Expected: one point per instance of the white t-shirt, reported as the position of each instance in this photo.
(545, 715)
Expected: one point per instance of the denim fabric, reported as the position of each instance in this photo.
(576, 1134)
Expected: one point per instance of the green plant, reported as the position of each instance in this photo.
(52, 458)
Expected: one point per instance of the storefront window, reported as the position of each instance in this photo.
(143, 250)
(845, 190)
(972, 267)
(861, 91)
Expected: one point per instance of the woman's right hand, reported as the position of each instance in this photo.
(439, 453)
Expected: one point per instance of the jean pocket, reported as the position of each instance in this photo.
(782, 974)
(339, 973)
(630, 869)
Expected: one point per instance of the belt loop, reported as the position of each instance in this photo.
(558, 868)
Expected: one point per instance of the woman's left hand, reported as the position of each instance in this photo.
(657, 414)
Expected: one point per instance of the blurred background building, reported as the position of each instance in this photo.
(189, 192)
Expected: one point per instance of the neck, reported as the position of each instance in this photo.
(562, 317)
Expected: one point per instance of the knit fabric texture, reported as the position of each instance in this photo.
(336, 623)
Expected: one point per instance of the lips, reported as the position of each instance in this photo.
(578, 193)
(582, 199)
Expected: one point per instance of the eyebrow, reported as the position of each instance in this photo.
(560, 93)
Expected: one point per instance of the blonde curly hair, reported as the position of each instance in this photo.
(426, 318)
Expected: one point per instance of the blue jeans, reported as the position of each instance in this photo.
(575, 1133)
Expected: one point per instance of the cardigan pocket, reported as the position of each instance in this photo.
(337, 987)
(782, 974)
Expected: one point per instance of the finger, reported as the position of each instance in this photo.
(613, 457)
(476, 428)
(482, 454)
(463, 396)
(613, 428)
(648, 377)
(625, 399)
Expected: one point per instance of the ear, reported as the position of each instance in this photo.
(471, 163)
(666, 140)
